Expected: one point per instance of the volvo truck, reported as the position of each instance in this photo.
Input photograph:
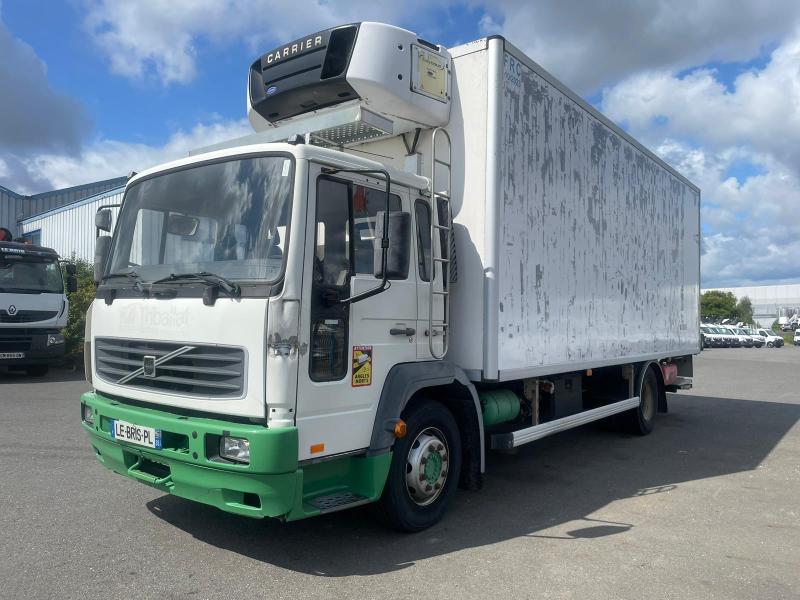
(33, 307)
(421, 254)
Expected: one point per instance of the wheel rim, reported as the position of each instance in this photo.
(427, 466)
(648, 400)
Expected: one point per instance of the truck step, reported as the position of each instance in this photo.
(337, 501)
(537, 432)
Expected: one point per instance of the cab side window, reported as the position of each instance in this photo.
(366, 204)
(332, 252)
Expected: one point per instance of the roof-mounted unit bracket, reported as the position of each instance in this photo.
(339, 126)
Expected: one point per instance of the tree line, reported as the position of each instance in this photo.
(716, 306)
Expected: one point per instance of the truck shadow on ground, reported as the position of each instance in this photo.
(549, 485)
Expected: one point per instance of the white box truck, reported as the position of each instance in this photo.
(33, 307)
(419, 255)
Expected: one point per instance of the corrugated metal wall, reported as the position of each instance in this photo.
(9, 207)
(70, 230)
(46, 201)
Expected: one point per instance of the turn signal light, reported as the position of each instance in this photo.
(315, 448)
(400, 429)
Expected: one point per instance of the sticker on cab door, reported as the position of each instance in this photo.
(362, 366)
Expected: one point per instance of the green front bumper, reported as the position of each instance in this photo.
(272, 485)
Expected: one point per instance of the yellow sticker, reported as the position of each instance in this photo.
(362, 366)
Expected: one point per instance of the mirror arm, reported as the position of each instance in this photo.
(384, 284)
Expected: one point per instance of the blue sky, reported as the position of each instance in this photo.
(96, 88)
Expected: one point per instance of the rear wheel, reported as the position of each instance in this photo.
(641, 420)
(425, 467)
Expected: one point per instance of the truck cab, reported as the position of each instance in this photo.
(33, 307)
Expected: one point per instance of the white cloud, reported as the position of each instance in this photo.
(107, 158)
(34, 116)
(159, 38)
(587, 44)
(761, 111)
(591, 44)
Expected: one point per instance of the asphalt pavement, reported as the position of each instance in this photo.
(707, 506)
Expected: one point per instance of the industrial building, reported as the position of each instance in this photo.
(60, 219)
(770, 302)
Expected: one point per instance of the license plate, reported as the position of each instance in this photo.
(12, 355)
(136, 434)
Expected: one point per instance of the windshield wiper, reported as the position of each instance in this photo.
(212, 279)
(132, 276)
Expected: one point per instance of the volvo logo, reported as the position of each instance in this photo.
(12, 310)
(149, 366)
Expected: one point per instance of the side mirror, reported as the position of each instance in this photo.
(102, 245)
(72, 284)
(71, 269)
(399, 251)
(102, 219)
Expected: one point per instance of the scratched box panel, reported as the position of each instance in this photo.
(599, 256)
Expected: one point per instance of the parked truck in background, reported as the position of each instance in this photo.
(33, 307)
(421, 254)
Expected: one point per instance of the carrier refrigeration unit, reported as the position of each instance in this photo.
(420, 254)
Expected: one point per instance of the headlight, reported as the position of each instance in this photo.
(54, 339)
(88, 415)
(237, 449)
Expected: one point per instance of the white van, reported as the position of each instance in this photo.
(772, 339)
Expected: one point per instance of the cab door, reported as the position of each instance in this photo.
(350, 347)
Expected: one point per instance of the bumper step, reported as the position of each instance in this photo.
(337, 501)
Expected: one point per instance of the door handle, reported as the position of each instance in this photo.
(409, 331)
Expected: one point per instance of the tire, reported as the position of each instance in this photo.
(428, 455)
(37, 370)
(770, 344)
(641, 420)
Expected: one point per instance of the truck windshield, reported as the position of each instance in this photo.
(227, 218)
(31, 277)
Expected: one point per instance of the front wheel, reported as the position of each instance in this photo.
(770, 344)
(425, 467)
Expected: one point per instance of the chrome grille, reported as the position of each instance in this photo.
(189, 369)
